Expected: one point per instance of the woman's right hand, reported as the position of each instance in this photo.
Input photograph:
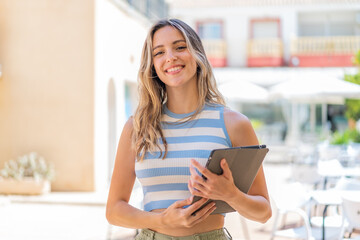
(176, 216)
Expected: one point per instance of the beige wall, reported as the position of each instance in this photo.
(47, 87)
(119, 36)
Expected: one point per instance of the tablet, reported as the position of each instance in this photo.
(244, 163)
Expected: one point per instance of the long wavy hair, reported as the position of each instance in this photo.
(152, 91)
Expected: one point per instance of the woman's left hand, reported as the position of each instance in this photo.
(216, 187)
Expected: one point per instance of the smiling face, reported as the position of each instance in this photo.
(172, 60)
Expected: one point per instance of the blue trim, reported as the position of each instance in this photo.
(207, 106)
(164, 204)
(166, 187)
(176, 115)
(199, 123)
(168, 171)
(224, 127)
(179, 154)
(212, 106)
(159, 204)
(193, 139)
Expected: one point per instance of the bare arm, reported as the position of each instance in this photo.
(120, 213)
(255, 205)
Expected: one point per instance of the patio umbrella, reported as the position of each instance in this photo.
(243, 91)
(312, 90)
(315, 90)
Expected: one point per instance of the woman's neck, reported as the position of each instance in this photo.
(181, 102)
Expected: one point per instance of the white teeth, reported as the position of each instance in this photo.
(174, 69)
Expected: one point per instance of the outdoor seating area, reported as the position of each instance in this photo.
(323, 192)
(89, 88)
(294, 189)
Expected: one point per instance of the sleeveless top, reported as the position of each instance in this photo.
(165, 181)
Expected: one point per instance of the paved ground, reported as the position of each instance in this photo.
(81, 216)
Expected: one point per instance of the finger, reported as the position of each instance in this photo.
(197, 193)
(182, 203)
(206, 208)
(191, 187)
(204, 171)
(193, 172)
(201, 211)
(193, 190)
(201, 215)
(198, 186)
(193, 207)
(225, 168)
(195, 177)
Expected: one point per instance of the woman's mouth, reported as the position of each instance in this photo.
(174, 70)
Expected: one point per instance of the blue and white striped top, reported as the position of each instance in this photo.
(164, 181)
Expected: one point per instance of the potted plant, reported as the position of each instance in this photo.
(28, 175)
(346, 145)
(345, 138)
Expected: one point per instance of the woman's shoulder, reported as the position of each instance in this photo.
(231, 117)
(235, 118)
(129, 126)
(239, 128)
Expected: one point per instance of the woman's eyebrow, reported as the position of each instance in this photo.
(174, 42)
(177, 41)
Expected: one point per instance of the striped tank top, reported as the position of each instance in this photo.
(165, 181)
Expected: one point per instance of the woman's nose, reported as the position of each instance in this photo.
(170, 56)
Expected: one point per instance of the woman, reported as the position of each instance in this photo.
(180, 118)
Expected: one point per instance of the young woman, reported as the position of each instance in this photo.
(180, 118)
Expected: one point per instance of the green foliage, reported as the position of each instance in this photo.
(352, 109)
(355, 136)
(353, 105)
(339, 138)
(30, 165)
(256, 123)
(357, 58)
(346, 137)
(352, 78)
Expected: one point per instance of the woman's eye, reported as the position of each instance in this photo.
(181, 47)
(157, 53)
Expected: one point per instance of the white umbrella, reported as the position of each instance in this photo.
(243, 91)
(317, 89)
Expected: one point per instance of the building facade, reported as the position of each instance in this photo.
(275, 33)
(68, 82)
(270, 41)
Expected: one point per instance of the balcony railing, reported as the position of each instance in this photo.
(337, 51)
(342, 45)
(266, 52)
(268, 47)
(216, 52)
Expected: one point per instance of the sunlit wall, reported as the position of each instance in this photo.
(64, 66)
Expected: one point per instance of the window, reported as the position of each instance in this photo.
(265, 28)
(328, 24)
(210, 30)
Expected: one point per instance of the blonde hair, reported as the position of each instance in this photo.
(152, 91)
